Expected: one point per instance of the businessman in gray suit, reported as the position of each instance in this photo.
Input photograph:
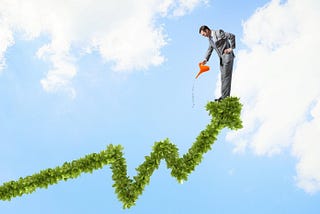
(223, 43)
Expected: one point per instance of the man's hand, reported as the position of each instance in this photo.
(227, 51)
(204, 62)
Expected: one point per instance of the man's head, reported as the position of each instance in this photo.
(205, 31)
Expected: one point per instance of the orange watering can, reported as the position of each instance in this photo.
(203, 68)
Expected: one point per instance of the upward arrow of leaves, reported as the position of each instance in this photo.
(224, 114)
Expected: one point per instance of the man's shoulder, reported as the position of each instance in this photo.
(217, 33)
(217, 30)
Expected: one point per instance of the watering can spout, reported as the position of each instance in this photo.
(203, 68)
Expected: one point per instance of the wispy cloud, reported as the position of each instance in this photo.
(7, 40)
(277, 77)
(125, 33)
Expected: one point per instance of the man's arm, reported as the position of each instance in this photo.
(232, 38)
(208, 54)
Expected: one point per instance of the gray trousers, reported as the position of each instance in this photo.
(226, 67)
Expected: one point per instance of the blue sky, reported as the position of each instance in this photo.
(69, 88)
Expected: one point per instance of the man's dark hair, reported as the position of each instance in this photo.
(203, 28)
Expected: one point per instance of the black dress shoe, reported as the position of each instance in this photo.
(218, 100)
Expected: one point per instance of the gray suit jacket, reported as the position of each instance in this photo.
(220, 41)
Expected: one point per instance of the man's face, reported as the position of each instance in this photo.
(205, 33)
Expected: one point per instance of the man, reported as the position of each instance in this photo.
(223, 43)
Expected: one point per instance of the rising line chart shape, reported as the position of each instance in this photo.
(225, 114)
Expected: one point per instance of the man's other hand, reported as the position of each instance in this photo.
(227, 51)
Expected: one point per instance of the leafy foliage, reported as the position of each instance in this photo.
(224, 114)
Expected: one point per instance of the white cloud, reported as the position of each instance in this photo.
(307, 147)
(277, 78)
(125, 32)
(6, 39)
(185, 6)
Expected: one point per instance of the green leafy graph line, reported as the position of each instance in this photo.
(225, 114)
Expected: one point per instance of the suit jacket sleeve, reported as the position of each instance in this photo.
(209, 52)
(232, 38)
